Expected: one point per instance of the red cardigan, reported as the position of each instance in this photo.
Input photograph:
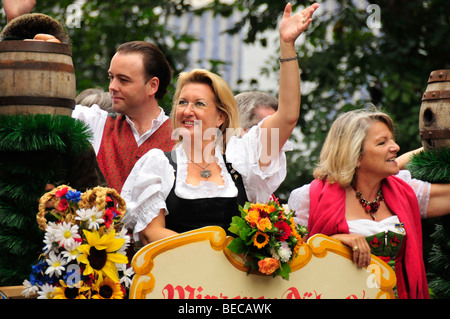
(327, 216)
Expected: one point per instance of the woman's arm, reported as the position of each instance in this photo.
(404, 159)
(279, 126)
(155, 230)
(439, 203)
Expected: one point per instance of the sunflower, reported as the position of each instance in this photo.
(99, 254)
(108, 289)
(260, 240)
(70, 292)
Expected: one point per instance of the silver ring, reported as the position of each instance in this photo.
(356, 248)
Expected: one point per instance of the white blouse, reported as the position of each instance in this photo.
(299, 202)
(367, 227)
(151, 179)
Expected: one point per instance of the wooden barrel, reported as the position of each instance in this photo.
(36, 77)
(434, 118)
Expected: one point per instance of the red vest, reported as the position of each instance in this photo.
(119, 151)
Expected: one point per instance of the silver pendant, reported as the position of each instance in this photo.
(206, 173)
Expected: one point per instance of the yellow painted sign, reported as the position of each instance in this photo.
(197, 265)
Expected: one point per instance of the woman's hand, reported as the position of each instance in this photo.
(360, 247)
(292, 26)
(15, 8)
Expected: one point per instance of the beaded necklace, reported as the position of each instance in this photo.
(370, 207)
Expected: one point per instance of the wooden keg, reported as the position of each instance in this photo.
(434, 118)
(36, 77)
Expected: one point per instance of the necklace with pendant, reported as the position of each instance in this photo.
(370, 207)
(205, 173)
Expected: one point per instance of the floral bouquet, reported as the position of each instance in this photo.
(267, 237)
(84, 247)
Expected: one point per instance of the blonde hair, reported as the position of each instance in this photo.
(344, 145)
(226, 103)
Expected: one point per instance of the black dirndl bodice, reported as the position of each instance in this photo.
(189, 214)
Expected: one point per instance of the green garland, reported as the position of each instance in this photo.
(434, 166)
(42, 132)
(33, 152)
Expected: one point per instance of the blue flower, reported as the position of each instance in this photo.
(73, 196)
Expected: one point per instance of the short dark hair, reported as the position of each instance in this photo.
(155, 63)
(28, 25)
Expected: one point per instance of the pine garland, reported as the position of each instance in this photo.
(42, 132)
(33, 152)
(434, 166)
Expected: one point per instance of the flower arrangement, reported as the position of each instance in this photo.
(267, 237)
(84, 247)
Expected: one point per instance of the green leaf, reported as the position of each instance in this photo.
(237, 246)
(284, 271)
(234, 225)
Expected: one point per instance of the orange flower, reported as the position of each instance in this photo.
(252, 217)
(299, 243)
(268, 265)
(263, 224)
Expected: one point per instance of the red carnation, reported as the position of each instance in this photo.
(284, 230)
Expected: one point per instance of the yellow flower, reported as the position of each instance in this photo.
(293, 228)
(70, 292)
(260, 240)
(299, 243)
(264, 223)
(99, 254)
(108, 289)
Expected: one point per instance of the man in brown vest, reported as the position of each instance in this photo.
(139, 76)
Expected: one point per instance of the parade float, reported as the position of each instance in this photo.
(81, 252)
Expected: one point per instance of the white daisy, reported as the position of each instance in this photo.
(96, 219)
(50, 244)
(92, 216)
(71, 252)
(66, 234)
(46, 292)
(29, 288)
(51, 228)
(127, 274)
(83, 214)
(124, 234)
(56, 264)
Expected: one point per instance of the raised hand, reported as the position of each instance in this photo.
(292, 26)
(15, 8)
